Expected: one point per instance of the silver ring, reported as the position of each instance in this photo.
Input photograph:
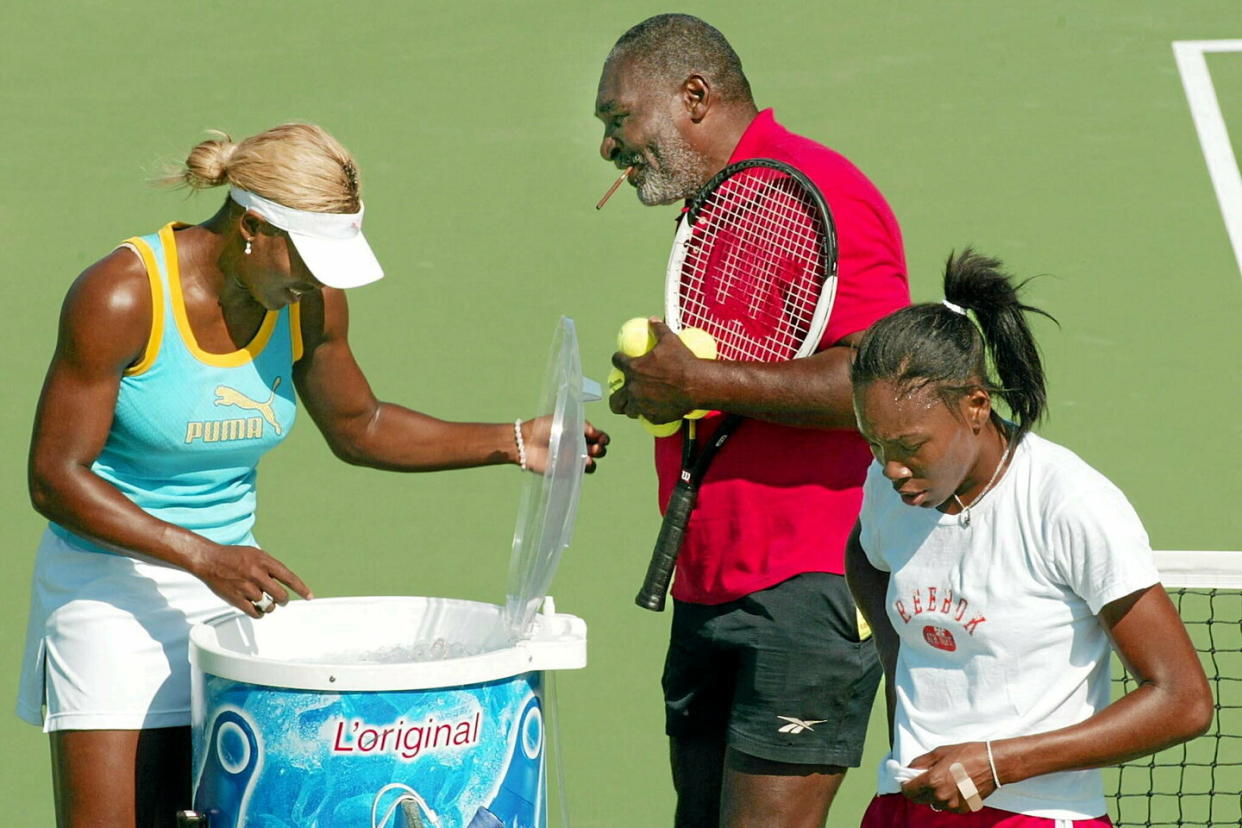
(264, 604)
(934, 808)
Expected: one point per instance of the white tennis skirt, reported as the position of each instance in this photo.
(107, 640)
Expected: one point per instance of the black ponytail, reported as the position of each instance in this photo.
(938, 346)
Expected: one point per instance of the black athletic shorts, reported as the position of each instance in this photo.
(779, 674)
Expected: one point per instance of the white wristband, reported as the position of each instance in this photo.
(992, 765)
(521, 445)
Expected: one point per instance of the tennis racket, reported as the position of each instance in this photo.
(754, 263)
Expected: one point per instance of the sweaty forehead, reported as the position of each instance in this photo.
(888, 412)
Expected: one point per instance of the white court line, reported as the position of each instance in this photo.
(1213, 136)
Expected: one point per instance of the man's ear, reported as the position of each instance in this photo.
(697, 97)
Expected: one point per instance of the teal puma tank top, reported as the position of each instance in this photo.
(190, 426)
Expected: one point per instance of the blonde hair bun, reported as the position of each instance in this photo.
(208, 163)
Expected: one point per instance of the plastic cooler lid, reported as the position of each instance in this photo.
(549, 501)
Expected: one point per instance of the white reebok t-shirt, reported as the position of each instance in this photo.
(997, 620)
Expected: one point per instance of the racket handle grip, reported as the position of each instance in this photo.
(667, 547)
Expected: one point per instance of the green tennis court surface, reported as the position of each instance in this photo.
(1055, 135)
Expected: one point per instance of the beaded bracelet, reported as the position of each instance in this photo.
(521, 445)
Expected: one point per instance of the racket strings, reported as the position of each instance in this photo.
(755, 266)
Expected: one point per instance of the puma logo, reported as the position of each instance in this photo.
(236, 428)
(231, 396)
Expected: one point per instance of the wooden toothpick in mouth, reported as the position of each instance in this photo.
(613, 188)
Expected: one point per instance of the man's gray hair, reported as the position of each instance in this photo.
(668, 48)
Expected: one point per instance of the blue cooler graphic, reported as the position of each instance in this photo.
(232, 754)
(399, 711)
(520, 787)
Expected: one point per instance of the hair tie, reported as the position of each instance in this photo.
(973, 318)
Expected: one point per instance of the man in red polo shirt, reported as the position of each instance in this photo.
(768, 685)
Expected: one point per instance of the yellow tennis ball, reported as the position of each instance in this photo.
(700, 342)
(616, 379)
(702, 345)
(660, 429)
(636, 337)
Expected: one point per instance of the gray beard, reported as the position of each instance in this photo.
(682, 171)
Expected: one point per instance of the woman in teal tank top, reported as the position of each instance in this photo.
(175, 370)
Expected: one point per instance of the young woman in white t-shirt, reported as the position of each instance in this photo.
(994, 598)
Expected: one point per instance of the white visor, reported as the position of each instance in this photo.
(331, 244)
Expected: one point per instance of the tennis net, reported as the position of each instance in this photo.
(1197, 784)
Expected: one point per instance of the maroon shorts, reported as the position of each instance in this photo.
(895, 811)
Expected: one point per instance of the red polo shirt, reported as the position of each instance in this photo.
(778, 501)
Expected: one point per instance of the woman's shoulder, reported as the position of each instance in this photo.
(116, 282)
(1057, 464)
(1063, 480)
(110, 304)
(1091, 535)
